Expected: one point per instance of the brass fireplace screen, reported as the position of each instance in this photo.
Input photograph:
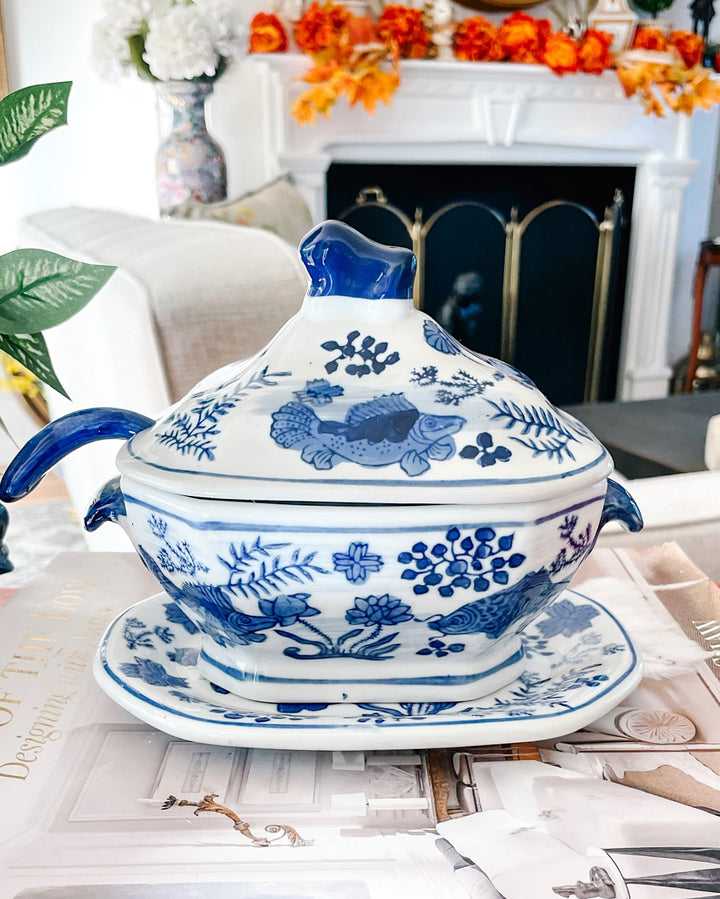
(603, 252)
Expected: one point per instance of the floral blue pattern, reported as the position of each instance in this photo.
(318, 392)
(484, 453)
(254, 604)
(288, 610)
(372, 610)
(472, 561)
(566, 618)
(368, 353)
(588, 660)
(357, 562)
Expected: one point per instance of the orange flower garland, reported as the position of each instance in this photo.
(523, 37)
(403, 27)
(594, 52)
(359, 59)
(691, 47)
(267, 34)
(561, 54)
(476, 40)
(320, 27)
(649, 39)
(674, 79)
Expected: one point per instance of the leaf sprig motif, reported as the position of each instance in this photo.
(547, 433)
(273, 575)
(192, 432)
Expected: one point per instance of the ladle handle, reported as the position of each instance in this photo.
(59, 438)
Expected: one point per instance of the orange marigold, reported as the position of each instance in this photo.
(595, 52)
(318, 28)
(691, 47)
(267, 34)
(561, 54)
(404, 27)
(476, 40)
(649, 39)
(361, 30)
(523, 37)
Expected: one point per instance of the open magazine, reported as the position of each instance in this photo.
(99, 804)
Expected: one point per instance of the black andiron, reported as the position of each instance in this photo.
(702, 12)
(208, 804)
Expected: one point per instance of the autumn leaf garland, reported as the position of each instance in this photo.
(358, 58)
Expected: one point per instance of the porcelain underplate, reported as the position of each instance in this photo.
(580, 663)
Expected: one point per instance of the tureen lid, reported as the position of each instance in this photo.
(361, 398)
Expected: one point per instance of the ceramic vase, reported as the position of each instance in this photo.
(190, 163)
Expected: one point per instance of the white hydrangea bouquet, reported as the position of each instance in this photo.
(168, 40)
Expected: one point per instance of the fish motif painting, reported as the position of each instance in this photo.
(495, 614)
(383, 431)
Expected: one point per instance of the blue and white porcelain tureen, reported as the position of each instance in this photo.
(364, 511)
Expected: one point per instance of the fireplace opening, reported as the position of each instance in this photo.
(525, 263)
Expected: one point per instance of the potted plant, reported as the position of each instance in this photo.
(38, 289)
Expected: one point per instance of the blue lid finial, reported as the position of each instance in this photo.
(343, 262)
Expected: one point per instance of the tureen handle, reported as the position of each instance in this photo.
(342, 262)
(62, 436)
(108, 505)
(620, 506)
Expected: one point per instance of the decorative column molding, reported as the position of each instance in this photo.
(310, 177)
(659, 187)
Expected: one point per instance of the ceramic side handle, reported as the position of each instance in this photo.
(46, 448)
(620, 506)
(108, 505)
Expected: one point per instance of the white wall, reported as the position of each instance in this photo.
(106, 155)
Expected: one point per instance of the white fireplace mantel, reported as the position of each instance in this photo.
(495, 113)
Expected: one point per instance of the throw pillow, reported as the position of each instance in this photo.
(277, 207)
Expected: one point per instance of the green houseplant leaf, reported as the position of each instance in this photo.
(27, 114)
(40, 289)
(31, 351)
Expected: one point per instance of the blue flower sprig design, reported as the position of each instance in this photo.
(578, 544)
(440, 648)
(368, 612)
(367, 352)
(357, 563)
(318, 392)
(484, 453)
(473, 561)
(136, 633)
(174, 556)
(541, 430)
(566, 618)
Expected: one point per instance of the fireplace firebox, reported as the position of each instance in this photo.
(527, 264)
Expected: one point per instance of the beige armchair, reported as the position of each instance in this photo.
(187, 298)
